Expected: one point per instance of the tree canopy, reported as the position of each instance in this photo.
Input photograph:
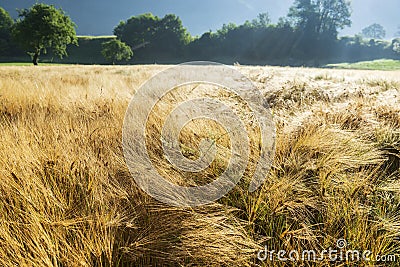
(321, 17)
(42, 27)
(375, 31)
(317, 23)
(164, 37)
(115, 50)
(6, 23)
(262, 21)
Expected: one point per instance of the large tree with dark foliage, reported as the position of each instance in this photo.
(321, 17)
(318, 23)
(6, 23)
(163, 38)
(137, 31)
(42, 27)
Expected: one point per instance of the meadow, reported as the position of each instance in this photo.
(68, 199)
(379, 64)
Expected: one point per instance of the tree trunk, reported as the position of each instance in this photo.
(35, 58)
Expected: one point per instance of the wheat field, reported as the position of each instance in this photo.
(68, 199)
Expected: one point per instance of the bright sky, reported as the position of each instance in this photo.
(99, 17)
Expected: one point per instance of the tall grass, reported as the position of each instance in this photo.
(67, 197)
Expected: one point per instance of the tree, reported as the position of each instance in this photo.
(321, 17)
(317, 24)
(6, 23)
(375, 31)
(42, 27)
(161, 38)
(115, 50)
(226, 28)
(262, 21)
(171, 37)
(137, 30)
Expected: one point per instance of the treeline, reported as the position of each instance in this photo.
(308, 36)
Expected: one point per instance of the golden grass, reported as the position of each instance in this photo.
(67, 197)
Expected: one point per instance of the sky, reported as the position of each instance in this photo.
(99, 17)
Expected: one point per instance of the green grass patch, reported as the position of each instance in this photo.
(15, 64)
(380, 64)
(28, 64)
(90, 37)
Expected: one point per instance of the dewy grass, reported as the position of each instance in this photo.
(67, 197)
